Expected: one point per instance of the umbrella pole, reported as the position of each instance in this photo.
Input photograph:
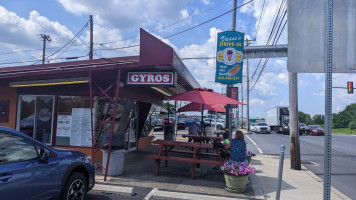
(202, 121)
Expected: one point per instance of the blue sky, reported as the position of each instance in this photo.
(21, 23)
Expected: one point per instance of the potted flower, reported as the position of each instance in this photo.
(249, 156)
(236, 176)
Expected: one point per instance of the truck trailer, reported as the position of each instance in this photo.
(277, 119)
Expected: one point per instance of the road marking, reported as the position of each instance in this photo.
(258, 148)
(114, 188)
(149, 195)
(314, 163)
(181, 195)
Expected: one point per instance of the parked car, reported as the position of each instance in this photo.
(220, 124)
(159, 123)
(262, 127)
(29, 169)
(302, 128)
(189, 121)
(315, 130)
(252, 126)
(180, 124)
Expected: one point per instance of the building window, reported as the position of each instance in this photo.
(74, 121)
(4, 111)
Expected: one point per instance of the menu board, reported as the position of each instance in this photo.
(64, 125)
(81, 127)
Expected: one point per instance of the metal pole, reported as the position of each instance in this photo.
(280, 172)
(248, 94)
(91, 38)
(175, 119)
(228, 94)
(328, 102)
(242, 100)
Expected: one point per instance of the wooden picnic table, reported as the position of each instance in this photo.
(198, 138)
(167, 146)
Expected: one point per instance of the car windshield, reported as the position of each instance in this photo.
(302, 124)
(261, 124)
(316, 127)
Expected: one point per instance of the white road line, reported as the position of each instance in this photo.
(114, 188)
(149, 195)
(180, 195)
(253, 142)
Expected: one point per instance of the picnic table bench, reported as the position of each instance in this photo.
(167, 146)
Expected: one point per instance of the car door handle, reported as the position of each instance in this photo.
(5, 177)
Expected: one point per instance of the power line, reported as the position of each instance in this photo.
(183, 20)
(278, 19)
(186, 29)
(259, 21)
(79, 33)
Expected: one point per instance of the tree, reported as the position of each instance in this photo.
(304, 118)
(319, 119)
(343, 118)
(170, 107)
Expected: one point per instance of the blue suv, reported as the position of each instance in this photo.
(30, 169)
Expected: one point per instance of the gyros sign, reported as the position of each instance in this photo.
(151, 78)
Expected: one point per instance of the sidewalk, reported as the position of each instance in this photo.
(174, 182)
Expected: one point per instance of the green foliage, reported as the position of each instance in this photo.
(319, 119)
(169, 107)
(304, 118)
(343, 118)
(352, 125)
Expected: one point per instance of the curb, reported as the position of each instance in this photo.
(317, 178)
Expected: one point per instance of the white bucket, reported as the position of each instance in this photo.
(116, 163)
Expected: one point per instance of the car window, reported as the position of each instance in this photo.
(261, 124)
(15, 149)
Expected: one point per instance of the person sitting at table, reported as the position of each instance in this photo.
(237, 148)
(209, 130)
(193, 130)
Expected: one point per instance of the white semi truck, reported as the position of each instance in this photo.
(277, 119)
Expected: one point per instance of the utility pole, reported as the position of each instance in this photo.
(91, 38)
(44, 38)
(248, 42)
(228, 87)
(293, 122)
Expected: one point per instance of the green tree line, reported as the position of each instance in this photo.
(343, 119)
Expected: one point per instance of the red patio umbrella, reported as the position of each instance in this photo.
(198, 107)
(205, 96)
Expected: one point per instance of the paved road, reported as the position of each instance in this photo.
(312, 156)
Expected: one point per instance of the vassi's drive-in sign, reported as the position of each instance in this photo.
(151, 78)
(229, 57)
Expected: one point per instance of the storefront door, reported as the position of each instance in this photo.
(35, 116)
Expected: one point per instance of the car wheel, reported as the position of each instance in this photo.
(75, 188)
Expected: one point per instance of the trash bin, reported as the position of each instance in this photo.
(118, 146)
(168, 132)
(116, 163)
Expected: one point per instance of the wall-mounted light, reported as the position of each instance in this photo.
(161, 91)
(47, 82)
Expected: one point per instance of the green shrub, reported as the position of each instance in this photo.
(352, 125)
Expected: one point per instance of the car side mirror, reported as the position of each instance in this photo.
(44, 155)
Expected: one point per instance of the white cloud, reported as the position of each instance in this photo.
(17, 32)
(129, 15)
(257, 102)
(206, 2)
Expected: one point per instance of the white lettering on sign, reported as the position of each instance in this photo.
(151, 78)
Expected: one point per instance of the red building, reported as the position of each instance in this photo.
(73, 104)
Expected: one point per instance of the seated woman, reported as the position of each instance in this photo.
(237, 148)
